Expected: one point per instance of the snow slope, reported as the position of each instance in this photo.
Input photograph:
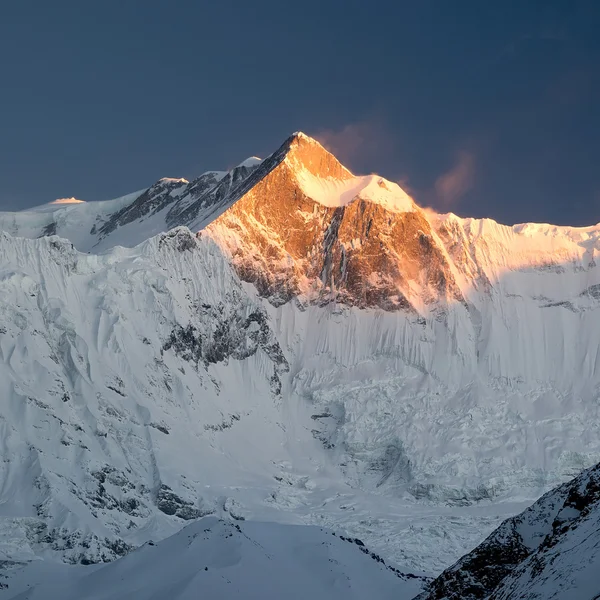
(220, 559)
(118, 374)
(73, 221)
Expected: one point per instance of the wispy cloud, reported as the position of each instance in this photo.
(357, 144)
(368, 143)
(452, 185)
(404, 182)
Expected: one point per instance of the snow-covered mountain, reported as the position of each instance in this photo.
(222, 559)
(304, 346)
(119, 373)
(551, 551)
(130, 220)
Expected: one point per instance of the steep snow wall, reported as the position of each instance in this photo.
(130, 382)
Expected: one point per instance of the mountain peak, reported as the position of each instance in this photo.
(171, 180)
(251, 161)
(304, 225)
(300, 136)
(306, 153)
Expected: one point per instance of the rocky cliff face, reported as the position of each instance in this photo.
(284, 237)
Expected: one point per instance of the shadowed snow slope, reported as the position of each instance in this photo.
(217, 559)
(122, 376)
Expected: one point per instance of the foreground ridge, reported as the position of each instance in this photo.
(223, 559)
(550, 551)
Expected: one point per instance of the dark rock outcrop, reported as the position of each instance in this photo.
(523, 556)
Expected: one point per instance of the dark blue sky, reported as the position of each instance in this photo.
(483, 108)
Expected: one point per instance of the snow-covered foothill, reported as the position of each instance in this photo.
(212, 558)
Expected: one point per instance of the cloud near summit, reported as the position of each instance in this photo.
(452, 185)
(357, 144)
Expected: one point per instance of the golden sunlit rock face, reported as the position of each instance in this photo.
(361, 252)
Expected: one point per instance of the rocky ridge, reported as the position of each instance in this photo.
(549, 551)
